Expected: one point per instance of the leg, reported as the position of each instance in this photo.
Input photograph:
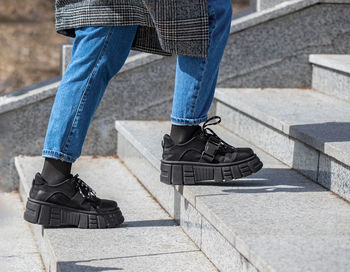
(98, 54)
(196, 78)
(194, 154)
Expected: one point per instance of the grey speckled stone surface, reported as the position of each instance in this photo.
(286, 7)
(191, 221)
(276, 219)
(18, 251)
(288, 150)
(29, 95)
(336, 62)
(167, 196)
(215, 245)
(179, 201)
(316, 119)
(334, 175)
(271, 48)
(149, 240)
(331, 74)
(22, 131)
(265, 4)
(164, 194)
(268, 117)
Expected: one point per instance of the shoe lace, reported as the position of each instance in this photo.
(85, 190)
(209, 133)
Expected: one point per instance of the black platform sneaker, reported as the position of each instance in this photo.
(205, 158)
(70, 203)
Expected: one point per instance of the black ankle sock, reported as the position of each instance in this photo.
(181, 134)
(55, 171)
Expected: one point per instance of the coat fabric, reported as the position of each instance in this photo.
(165, 26)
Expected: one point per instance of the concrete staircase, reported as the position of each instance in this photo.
(18, 250)
(307, 129)
(277, 219)
(274, 220)
(293, 215)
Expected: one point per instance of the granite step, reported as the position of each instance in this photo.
(331, 74)
(303, 128)
(18, 250)
(273, 220)
(148, 240)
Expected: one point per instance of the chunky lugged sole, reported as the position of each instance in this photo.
(191, 173)
(51, 215)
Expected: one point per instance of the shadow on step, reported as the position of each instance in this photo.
(74, 267)
(136, 224)
(78, 266)
(150, 223)
(320, 133)
(269, 180)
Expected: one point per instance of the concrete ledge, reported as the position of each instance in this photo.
(331, 74)
(294, 125)
(265, 4)
(29, 95)
(264, 222)
(148, 240)
(336, 62)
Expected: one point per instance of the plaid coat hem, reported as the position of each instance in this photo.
(165, 26)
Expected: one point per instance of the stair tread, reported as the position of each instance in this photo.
(339, 62)
(273, 217)
(147, 238)
(18, 249)
(316, 119)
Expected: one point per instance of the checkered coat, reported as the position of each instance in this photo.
(165, 26)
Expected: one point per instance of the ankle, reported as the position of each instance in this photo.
(181, 134)
(55, 171)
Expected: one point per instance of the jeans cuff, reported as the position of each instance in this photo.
(187, 121)
(57, 155)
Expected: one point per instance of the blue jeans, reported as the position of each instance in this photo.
(98, 53)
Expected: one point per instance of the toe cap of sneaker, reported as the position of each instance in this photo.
(107, 205)
(243, 153)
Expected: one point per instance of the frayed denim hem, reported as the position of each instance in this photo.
(187, 122)
(57, 155)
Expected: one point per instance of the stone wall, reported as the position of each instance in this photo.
(272, 49)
